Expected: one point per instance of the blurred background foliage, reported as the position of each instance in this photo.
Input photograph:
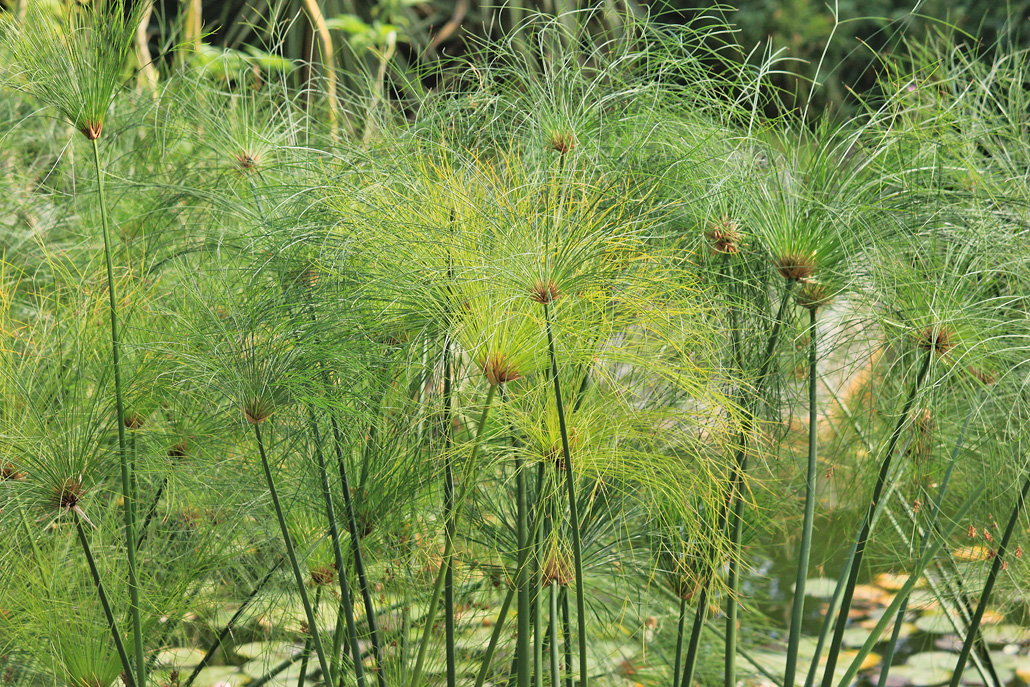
(826, 56)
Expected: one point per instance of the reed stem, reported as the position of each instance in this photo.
(292, 556)
(230, 625)
(985, 596)
(448, 552)
(341, 569)
(736, 509)
(495, 637)
(679, 643)
(804, 552)
(448, 507)
(863, 536)
(128, 508)
(555, 619)
(102, 594)
(577, 546)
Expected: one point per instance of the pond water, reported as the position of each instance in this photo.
(928, 648)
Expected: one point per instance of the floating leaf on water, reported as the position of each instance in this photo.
(1005, 634)
(821, 587)
(254, 649)
(932, 659)
(213, 675)
(936, 623)
(874, 596)
(971, 676)
(868, 625)
(992, 617)
(922, 676)
(894, 582)
(923, 600)
(948, 643)
(180, 657)
(971, 553)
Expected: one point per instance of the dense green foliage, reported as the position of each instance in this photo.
(498, 381)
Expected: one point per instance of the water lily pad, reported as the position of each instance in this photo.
(180, 657)
(935, 622)
(893, 582)
(255, 649)
(923, 600)
(874, 596)
(1005, 634)
(972, 553)
(227, 675)
(932, 659)
(821, 587)
(924, 676)
(971, 676)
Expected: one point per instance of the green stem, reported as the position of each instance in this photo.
(230, 625)
(522, 576)
(292, 556)
(341, 569)
(306, 654)
(931, 528)
(566, 639)
(151, 511)
(111, 623)
(695, 638)
(679, 643)
(448, 506)
(448, 552)
(127, 505)
(555, 619)
(863, 536)
(985, 596)
(495, 636)
(804, 553)
(570, 482)
(736, 510)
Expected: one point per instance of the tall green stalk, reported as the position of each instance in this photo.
(679, 643)
(230, 625)
(495, 637)
(105, 602)
(985, 596)
(128, 507)
(523, 634)
(448, 552)
(804, 552)
(931, 528)
(863, 536)
(555, 619)
(448, 506)
(341, 569)
(570, 483)
(292, 556)
(735, 519)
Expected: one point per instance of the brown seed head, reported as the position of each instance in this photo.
(68, 495)
(557, 568)
(91, 130)
(323, 575)
(795, 266)
(562, 141)
(724, 236)
(812, 295)
(178, 450)
(246, 161)
(257, 409)
(499, 369)
(935, 338)
(8, 471)
(133, 421)
(544, 293)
